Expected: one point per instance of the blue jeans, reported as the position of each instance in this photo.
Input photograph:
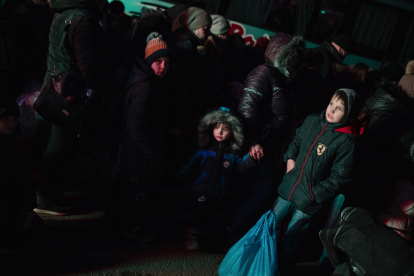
(298, 226)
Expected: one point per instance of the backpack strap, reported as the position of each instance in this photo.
(68, 22)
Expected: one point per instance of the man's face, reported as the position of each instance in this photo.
(203, 33)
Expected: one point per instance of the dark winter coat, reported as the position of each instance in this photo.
(266, 105)
(85, 50)
(187, 78)
(324, 155)
(143, 120)
(386, 147)
(378, 249)
(17, 191)
(213, 166)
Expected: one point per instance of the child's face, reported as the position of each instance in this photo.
(221, 132)
(160, 66)
(8, 124)
(336, 110)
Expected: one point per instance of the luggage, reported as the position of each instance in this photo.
(256, 253)
(368, 245)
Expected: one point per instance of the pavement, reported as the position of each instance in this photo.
(80, 244)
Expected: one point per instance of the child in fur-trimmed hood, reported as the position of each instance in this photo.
(212, 167)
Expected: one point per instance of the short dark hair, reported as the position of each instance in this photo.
(339, 95)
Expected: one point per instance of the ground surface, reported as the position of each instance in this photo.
(82, 245)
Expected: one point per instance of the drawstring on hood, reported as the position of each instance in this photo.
(222, 115)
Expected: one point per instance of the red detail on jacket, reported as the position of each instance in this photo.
(306, 159)
(355, 128)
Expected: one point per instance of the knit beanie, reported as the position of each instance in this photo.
(262, 43)
(8, 107)
(407, 81)
(345, 42)
(156, 48)
(194, 18)
(220, 25)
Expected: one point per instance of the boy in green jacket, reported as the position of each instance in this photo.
(319, 164)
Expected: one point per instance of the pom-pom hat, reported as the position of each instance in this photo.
(156, 48)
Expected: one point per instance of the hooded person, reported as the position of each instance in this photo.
(211, 169)
(407, 81)
(320, 162)
(88, 69)
(140, 150)
(267, 108)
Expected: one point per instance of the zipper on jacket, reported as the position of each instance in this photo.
(310, 190)
(304, 162)
(200, 177)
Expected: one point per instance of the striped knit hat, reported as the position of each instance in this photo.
(156, 48)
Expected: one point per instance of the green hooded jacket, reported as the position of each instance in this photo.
(324, 157)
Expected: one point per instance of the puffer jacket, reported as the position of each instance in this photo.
(324, 155)
(143, 120)
(85, 51)
(213, 166)
(266, 105)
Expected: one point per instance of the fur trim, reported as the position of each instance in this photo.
(294, 49)
(397, 93)
(215, 117)
(409, 70)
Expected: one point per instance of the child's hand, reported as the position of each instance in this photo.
(290, 165)
(256, 152)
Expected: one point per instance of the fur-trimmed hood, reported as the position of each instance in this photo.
(220, 116)
(388, 96)
(283, 49)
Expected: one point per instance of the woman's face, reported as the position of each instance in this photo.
(160, 66)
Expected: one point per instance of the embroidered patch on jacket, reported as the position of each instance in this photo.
(320, 149)
(226, 164)
(201, 199)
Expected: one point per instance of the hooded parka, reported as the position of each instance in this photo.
(212, 167)
(266, 105)
(324, 156)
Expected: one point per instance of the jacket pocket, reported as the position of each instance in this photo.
(200, 177)
(310, 190)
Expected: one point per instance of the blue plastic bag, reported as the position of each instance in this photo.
(256, 253)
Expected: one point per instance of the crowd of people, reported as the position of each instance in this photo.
(173, 96)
